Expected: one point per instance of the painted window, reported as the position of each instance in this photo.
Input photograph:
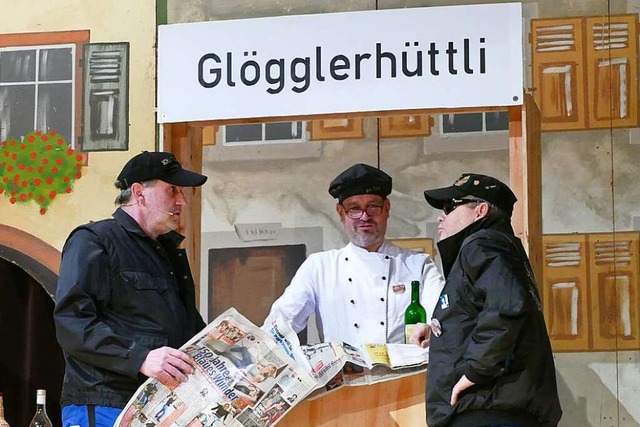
(490, 121)
(37, 85)
(41, 84)
(264, 133)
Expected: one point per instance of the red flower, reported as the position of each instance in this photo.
(31, 138)
(49, 180)
(43, 211)
(33, 155)
(59, 162)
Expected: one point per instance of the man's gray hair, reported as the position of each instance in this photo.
(125, 192)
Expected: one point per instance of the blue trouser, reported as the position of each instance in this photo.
(89, 416)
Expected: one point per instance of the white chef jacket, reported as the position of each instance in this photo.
(358, 296)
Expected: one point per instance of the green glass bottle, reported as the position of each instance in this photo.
(415, 312)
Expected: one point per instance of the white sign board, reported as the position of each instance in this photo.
(434, 57)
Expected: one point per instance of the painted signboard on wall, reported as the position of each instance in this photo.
(435, 57)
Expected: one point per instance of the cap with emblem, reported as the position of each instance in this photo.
(360, 179)
(147, 166)
(472, 184)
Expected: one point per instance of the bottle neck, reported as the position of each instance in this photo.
(1, 407)
(415, 292)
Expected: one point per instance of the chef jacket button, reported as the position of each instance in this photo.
(356, 325)
(180, 254)
(386, 257)
(185, 277)
(382, 323)
(349, 279)
(171, 273)
(382, 299)
(353, 302)
(384, 278)
(346, 258)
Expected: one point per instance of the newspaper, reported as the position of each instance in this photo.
(247, 376)
(372, 364)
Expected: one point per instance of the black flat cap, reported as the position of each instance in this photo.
(360, 179)
(472, 184)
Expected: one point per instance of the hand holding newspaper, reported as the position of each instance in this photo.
(246, 376)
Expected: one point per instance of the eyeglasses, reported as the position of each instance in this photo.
(371, 210)
(450, 205)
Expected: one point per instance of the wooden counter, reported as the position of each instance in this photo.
(393, 403)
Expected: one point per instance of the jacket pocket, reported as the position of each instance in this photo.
(142, 281)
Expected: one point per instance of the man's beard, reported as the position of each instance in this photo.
(361, 238)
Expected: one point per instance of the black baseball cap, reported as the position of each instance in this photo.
(148, 166)
(472, 184)
(360, 179)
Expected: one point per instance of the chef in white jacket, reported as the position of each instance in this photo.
(359, 293)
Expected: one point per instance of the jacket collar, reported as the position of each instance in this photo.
(450, 247)
(132, 226)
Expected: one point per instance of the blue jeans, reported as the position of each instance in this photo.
(89, 416)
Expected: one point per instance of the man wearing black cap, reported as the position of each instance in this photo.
(125, 298)
(359, 293)
(490, 359)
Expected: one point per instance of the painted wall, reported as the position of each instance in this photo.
(112, 21)
(589, 185)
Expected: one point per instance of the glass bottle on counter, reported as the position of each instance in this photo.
(3, 421)
(40, 419)
(415, 312)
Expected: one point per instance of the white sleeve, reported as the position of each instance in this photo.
(298, 301)
(433, 284)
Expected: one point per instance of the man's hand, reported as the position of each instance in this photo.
(167, 364)
(421, 335)
(462, 384)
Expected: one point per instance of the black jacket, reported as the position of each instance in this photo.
(492, 331)
(120, 295)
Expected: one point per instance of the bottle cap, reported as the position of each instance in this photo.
(41, 392)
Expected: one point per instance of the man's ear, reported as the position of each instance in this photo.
(482, 210)
(340, 210)
(136, 192)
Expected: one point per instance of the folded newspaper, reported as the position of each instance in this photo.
(247, 376)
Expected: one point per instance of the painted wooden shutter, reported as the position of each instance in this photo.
(614, 290)
(565, 289)
(612, 69)
(558, 73)
(105, 124)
